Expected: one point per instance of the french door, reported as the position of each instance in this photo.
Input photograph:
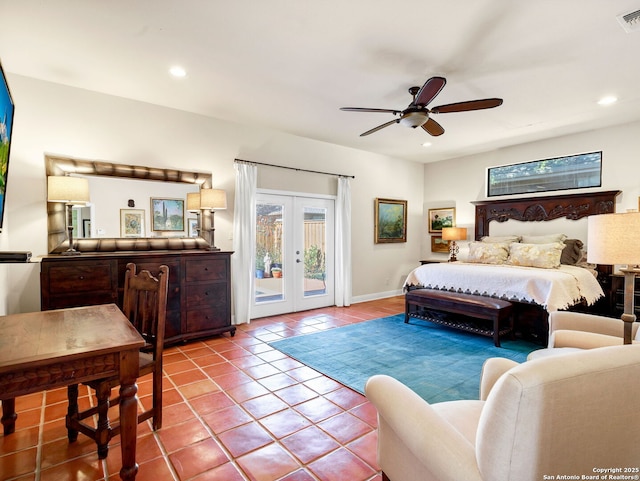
(294, 254)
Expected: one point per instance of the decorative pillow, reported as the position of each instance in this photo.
(488, 252)
(543, 239)
(504, 239)
(572, 252)
(546, 256)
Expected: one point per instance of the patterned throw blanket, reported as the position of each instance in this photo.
(553, 289)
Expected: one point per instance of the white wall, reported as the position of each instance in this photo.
(55, 119)
(460, 181)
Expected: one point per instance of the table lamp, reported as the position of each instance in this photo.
(193, 205)
(454, 234)
(615, 239)
(69, 191)
(212, 200)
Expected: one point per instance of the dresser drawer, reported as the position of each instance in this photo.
(205, 319)
(74, 283)
(206, 294)
(206, 270)
(71, 279)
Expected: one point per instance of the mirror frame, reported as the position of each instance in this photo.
(57, 240)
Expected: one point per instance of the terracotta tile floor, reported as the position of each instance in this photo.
(234, 410)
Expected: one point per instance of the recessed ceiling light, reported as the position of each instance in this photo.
(607, 100)
(178, 71)
(427, 144)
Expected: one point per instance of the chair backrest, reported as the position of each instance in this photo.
(145, 304)
(565, 414)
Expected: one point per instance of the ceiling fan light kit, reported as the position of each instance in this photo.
(417, 114)
(414, 119)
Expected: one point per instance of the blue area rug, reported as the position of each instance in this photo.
(439, 363)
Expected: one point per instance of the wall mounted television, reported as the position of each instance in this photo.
(6, 123)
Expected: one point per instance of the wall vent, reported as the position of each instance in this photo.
(630, 22)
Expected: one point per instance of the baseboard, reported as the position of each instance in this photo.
(375, 296)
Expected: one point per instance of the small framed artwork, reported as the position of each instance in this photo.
(167, 214)
(131, 222)
(390, 221)
(193, 227)
(439, 218)
(438, 244)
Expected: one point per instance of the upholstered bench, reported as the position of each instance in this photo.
(419, 303)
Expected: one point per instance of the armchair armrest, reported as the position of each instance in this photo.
(492, 369)
(583, 340)
(440, 448)
(578, 321)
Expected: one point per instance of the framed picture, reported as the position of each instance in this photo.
(193, 226)
(390, 221)
(438, 244)
(131, 222)
(167, 214)
(439, 218)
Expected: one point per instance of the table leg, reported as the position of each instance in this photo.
(72, 412)
(128, 414)
(9, 415)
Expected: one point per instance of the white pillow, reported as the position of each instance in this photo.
(488, 252)
(546, 256)
(543, 239)
(506, 239)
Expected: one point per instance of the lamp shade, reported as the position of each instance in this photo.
(193, 201)
(70, 190)
(454, 233)
(614, 238)
(213, 199)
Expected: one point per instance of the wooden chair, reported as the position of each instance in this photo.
(144, 304)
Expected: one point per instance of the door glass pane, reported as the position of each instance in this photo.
(314, 251)
(269, 248)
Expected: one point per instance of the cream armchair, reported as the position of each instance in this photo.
(564, 415)
(586, 331)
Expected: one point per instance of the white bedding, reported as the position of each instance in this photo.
(553, 289)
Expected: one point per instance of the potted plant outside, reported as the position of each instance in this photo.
(276, 272)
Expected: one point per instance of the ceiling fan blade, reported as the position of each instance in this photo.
(358, 109)
(465, 106)
(429, 90)
(432, 127)
(379, 127)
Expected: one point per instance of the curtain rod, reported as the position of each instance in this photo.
(293, 168)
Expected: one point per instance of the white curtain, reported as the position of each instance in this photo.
(343, 243)
(244, 241)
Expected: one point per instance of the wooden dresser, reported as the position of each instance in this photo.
(199, 302)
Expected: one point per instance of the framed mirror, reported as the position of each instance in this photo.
(56, 219)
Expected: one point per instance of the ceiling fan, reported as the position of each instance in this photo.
(417, 114)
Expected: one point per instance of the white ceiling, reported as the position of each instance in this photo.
(291, 64)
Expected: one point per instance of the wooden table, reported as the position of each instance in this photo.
(50, 349)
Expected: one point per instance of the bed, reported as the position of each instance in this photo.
(533, 288)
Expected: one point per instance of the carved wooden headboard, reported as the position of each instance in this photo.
(530, 209)
(545, 208)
